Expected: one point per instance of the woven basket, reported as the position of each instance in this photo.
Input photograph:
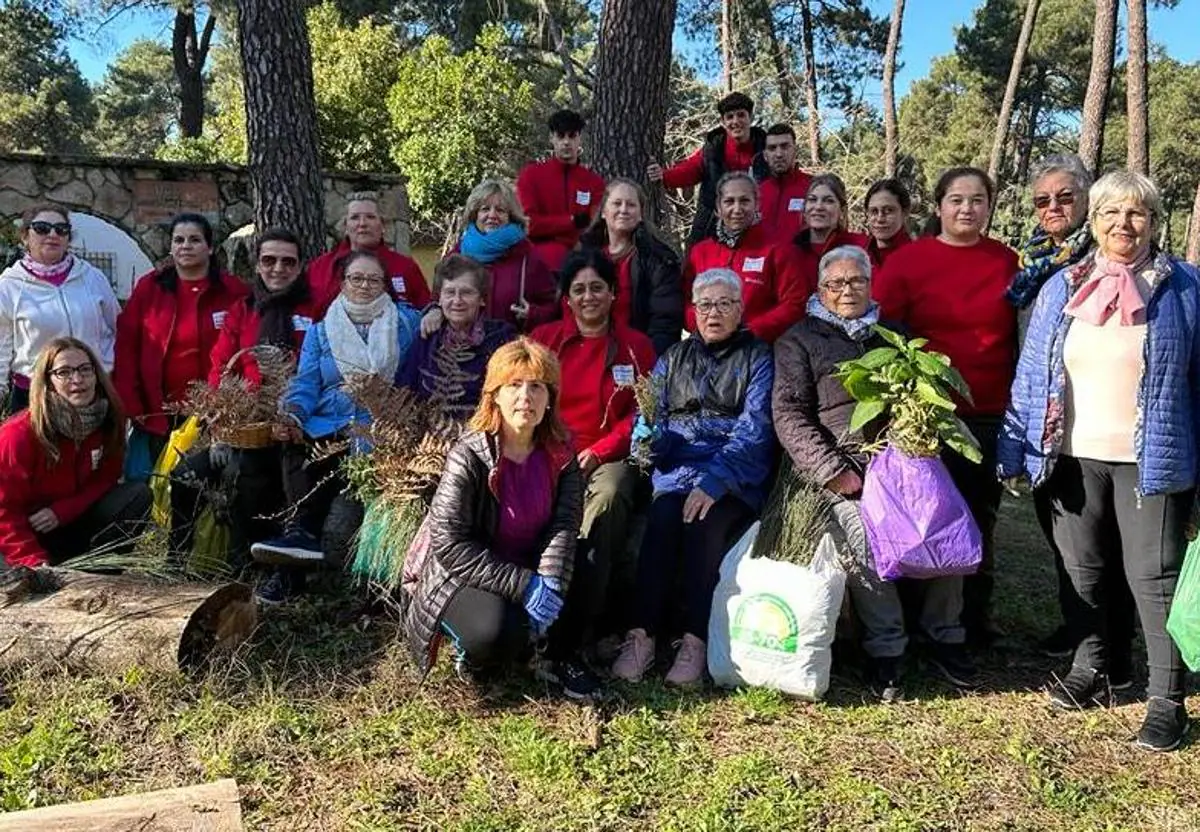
(257, 435)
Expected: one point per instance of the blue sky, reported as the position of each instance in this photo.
(928, 33)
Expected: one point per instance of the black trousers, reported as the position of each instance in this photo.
(310, 487)
(115, 519)
(1100, 523)
(982, 491)
(696, 548)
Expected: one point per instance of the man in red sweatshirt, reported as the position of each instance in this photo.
(559, 194)
(735, 145)
(781, 195)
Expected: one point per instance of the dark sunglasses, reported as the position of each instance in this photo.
(1043, 201)
(62, 229)
(268, 261)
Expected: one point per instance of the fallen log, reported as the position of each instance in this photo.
(108, 623)
(211, 807)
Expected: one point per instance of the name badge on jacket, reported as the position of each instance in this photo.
(219, 319)
(754, 264)
(398, 284)
(623, 375)
(301, 323)
(796, 204)
(583, 197)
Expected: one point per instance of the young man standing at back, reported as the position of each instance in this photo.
(559, 194)
(781, 195)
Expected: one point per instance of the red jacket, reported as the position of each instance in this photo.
(954, 296)
(29, 483)
(690, 172)
(603, 420)
(808, 256)
(781, 203)
(144, 332)
(773, 294)
(552, 193)
(541, 290)
(406, 281)
(241, 332)
(880, 256)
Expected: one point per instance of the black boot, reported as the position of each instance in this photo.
(1165, 725)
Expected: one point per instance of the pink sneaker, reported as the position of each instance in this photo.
(690, 662)
(637, 656)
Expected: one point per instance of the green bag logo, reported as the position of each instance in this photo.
(765, 621)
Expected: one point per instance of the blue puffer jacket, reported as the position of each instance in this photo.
(315, 396)
(1168, 405)
(713, 428)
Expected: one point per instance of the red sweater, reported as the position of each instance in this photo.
(552, 193)
(954, 296)
(781, 203)
(880, 256)
(596, 402)
(541, 290)
(144, 330)
(29, 483)
(690, 172)
(406, 281)
(808, 257)
(241, 332)
(773, 293)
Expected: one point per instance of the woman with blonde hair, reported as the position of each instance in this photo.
(494, 232)
(502, 530)
(60, 461)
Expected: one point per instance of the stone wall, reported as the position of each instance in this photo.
(139, 196)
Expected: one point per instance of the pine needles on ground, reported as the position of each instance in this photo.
(794, 519)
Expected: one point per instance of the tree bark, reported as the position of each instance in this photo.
(213, 807)
(726, 46)
(1137, 100)
(783, 72)
(570, 78)
(1193, 243)
(1095, 102)
(633, 77)
(189, 52)
(1010, 91)
(281, 120)
(810, 83)
(891, 140)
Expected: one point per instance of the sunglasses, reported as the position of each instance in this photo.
(268, 261)
(62, 229)
(1064, 198)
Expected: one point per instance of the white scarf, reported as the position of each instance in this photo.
(380, 352)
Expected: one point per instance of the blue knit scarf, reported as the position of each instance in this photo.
(490, 246)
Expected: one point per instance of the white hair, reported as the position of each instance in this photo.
(1122, 186)
(716, 277)
(837, 255)
(1067, 163)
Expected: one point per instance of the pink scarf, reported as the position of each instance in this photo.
(1110, 288)
(55, 275)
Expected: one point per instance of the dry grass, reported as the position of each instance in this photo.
(325, 729)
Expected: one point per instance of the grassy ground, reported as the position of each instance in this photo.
(324, 728)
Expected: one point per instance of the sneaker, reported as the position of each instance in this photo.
(690, 662)
(1057, 645)
(1165, 726)
(955, 665)
(273, 591)
(295, 545)
(576, 680)
(637, 656)
(883, 675)
(1080, 689)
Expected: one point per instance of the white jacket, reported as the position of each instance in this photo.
(34, 312)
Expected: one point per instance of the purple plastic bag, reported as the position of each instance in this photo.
(918, 525)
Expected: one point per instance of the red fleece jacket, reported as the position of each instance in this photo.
(954, 296)
(781, 203)
(773, 293)
(30, 483)
(241, 332)
(690, 172)
(597, 403)
(808, 256)
(552, 193)
(405, 279)
(879, 256)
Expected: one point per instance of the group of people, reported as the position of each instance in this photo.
(558, 296)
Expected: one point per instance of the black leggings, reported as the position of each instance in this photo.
(114, 520)
(982, 492)
(1099, 522)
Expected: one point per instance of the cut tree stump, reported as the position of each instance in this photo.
(211, 807)
(108, 623)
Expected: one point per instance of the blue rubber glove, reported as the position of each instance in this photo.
(642, 432)
(542, 602)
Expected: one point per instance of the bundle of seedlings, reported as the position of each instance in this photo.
(648, 391)
(793, 520)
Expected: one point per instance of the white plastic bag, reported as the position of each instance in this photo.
(773, 623)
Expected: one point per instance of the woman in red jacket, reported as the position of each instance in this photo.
(825, 215)
(167, 330)
(950, 288)
(888, 206)
(773, 293)
(60, 461)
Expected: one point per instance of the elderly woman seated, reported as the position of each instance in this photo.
(711, 445)
(812, 413)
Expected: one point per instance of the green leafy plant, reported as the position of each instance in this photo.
(914, 387)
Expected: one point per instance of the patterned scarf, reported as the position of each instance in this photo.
(727, 238)
(77, 423)
(857, 329)
(457, 339)
(55, 275)
(1041, 258)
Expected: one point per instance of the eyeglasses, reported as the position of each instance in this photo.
(43, 228)
(460, 292)
(364, 281)
(723, 306)
(1135, 215)
(1063, 198)
(838, 285)
(268, 261)
(579, 290)
(84, 371)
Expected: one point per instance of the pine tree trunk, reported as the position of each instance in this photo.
(1137, 102)
(783, 74)
(810, 83)
(281, 120)
(1193, 244)
(1010, 91)
(891, 139)
(1095, 103)
(570, 78)
(633, 75)
(726, 46)
(188, 54)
